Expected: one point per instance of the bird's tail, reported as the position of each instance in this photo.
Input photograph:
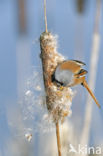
(90, 92)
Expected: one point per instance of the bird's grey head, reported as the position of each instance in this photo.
(64, 77)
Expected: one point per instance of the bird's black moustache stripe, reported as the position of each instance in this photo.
(54, 80)
(82, 84)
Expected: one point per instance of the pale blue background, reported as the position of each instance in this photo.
(62, 20)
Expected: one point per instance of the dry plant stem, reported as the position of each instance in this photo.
(80, 6)
(22, 16)
(92, 78)
(45, 16)
(58, 101)
(50, 59)
(58, 139)
(98, 16)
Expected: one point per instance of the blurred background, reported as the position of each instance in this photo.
(78, 25)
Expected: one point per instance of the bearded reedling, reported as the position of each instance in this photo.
(70, 73)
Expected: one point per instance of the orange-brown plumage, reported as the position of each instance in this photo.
(70, 73)
(71, 65)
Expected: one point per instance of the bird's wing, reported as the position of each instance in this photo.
(79, 62)
(81, 73)
(72, 65)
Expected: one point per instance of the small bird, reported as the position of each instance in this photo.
(70, 73)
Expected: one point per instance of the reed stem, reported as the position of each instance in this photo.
(45, 16)
(58, 139)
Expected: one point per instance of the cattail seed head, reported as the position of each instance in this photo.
(58, 100)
